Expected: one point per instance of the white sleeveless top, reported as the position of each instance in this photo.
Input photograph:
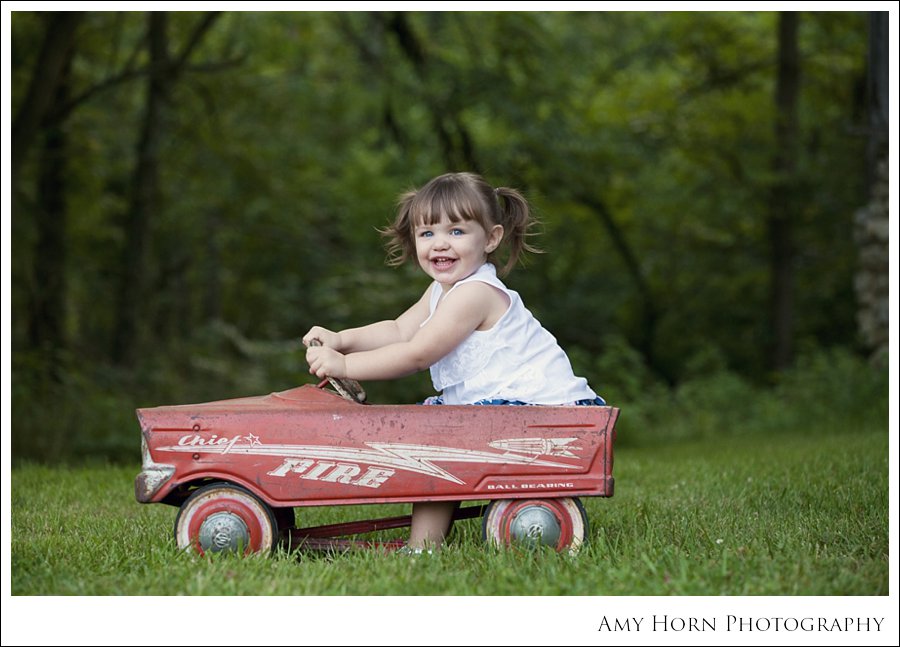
(516, 359)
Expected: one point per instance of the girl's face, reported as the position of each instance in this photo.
(451, 251)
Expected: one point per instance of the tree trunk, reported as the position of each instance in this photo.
(212, 294)
(144, 200)
(46, 322)
(456, 143)
(782, 199)
(56, 52)
(872, 221)
(47, 88)
(644, 338)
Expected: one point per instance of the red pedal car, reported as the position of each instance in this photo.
(238, 468)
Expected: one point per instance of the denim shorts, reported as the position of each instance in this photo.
(590, 402)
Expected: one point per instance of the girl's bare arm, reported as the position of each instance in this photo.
(376, 335)
(461, 313)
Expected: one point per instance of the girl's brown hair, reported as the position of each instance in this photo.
(462, 196)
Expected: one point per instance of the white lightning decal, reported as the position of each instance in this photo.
(538, 446)
(412, 458)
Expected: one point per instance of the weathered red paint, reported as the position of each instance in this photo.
(308, 446)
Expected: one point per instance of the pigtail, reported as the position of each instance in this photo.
(400, 244)
(518, 225)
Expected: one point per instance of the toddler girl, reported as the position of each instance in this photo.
(479, 341)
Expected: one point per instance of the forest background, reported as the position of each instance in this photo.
(192, 191)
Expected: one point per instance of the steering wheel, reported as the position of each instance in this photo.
(349, 389)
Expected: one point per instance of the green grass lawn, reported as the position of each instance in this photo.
(753, 514)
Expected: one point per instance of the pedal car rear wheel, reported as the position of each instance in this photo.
(221, 517)
(559, 523)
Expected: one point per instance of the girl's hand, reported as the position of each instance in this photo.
(326, 362)
(327, 337)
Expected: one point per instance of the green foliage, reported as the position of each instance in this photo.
(68, 413)
(289, 135)
(826, 392)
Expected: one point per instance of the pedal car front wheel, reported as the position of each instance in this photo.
(221, 517)
(558, 523)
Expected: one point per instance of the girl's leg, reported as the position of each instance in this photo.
(430, 523)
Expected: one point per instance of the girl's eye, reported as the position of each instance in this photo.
(457, 232)
(425, 234)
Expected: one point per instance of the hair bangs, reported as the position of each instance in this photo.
(446, 200)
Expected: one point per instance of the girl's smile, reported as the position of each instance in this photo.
(442, 263)
(450, 251)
